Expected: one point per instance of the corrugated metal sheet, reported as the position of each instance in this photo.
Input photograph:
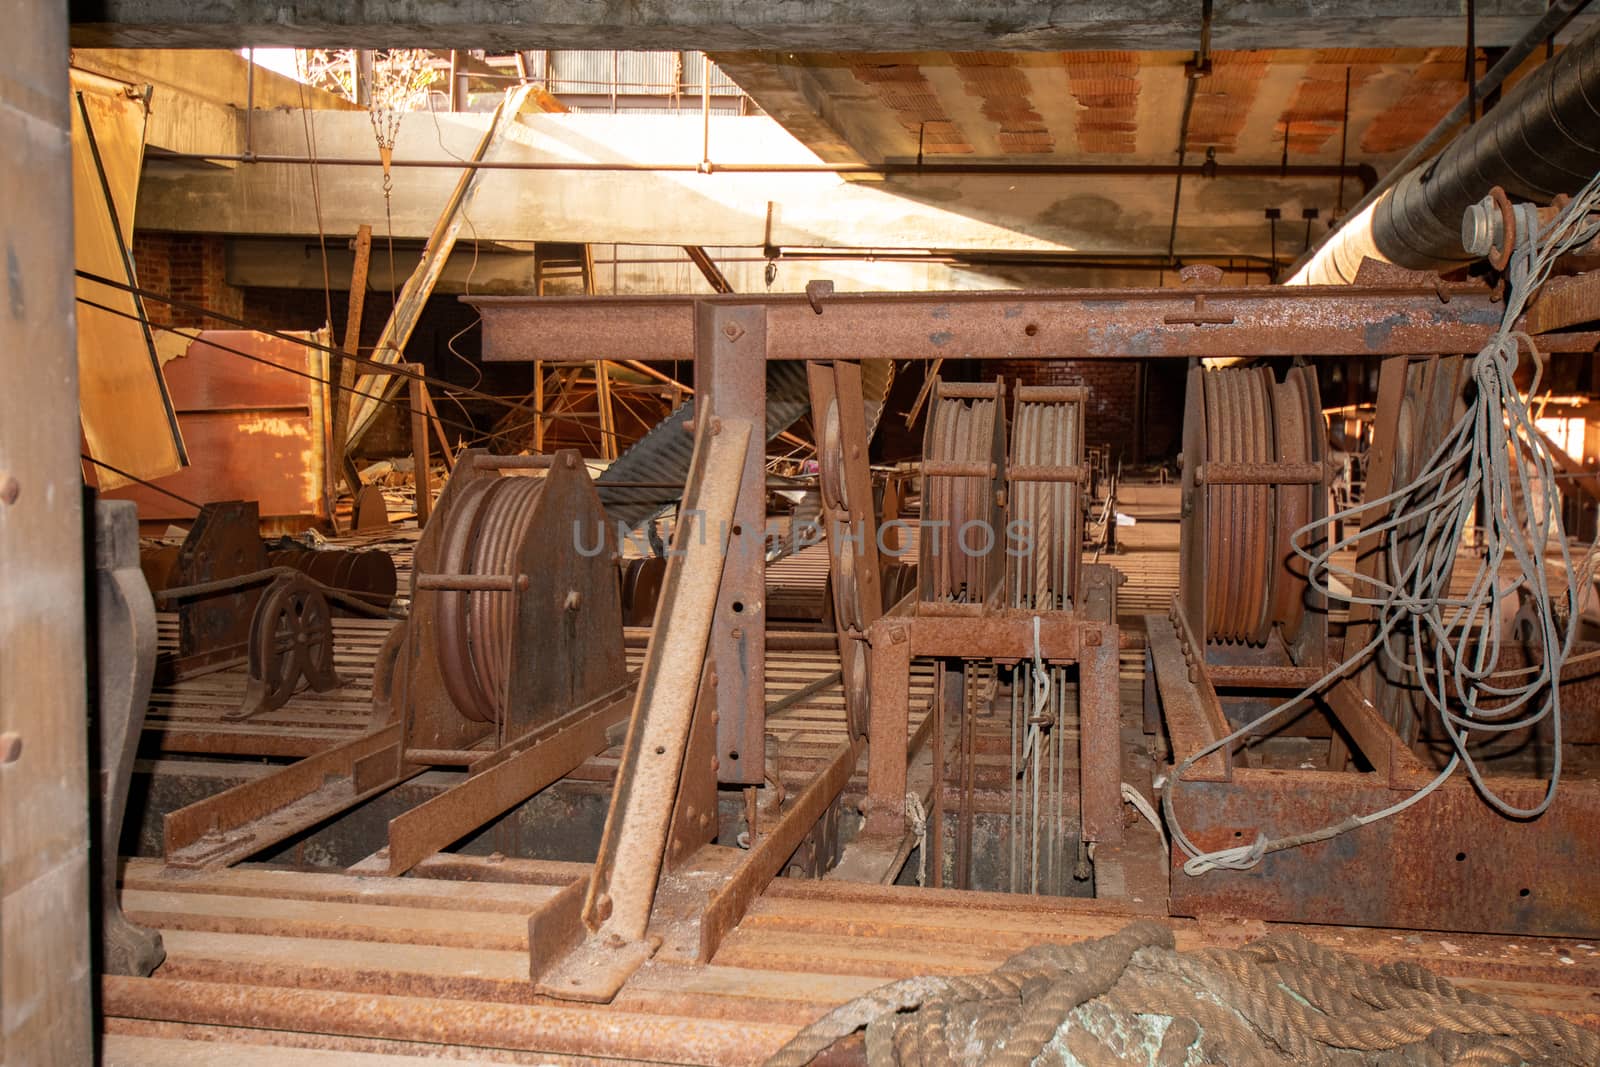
(663, 454)
(643, 73)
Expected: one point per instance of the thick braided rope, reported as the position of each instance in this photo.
(1263, 1003)
(1396, 985)
(1224, 1036)
(1401, 1026)
(1308, 1001)
(1104, 961)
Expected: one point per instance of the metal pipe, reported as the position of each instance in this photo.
(1319, 266)
(1362, 172)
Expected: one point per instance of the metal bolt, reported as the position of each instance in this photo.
(1194, 675)
(713, 679)
(732, 331)
(736, 633)
(574, 598)
(10, 746)
(602, 906)
(715, 718)
(8, 487)
(1091, 638)
(716, 764)
(705, 820)
(496, 857)
(897, 635)
(384, 852)
(715, 426)
(615, 941)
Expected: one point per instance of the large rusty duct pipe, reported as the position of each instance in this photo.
(1542, 140)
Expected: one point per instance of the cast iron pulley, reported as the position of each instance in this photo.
(291, 637)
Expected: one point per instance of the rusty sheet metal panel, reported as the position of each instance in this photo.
(124, 410)
(1448, 863)
(256, 430)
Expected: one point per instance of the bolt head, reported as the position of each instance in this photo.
(9, 488)
(1091, 638)
(10, 746)
(602, 906)
(732, 331)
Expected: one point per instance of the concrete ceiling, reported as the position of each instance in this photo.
(1277, 123)
(798, 25)
(1123, 106)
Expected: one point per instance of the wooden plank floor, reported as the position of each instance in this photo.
(357, 971)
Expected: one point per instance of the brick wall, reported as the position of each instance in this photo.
(1115, 398)
(1113, 395)
(189, 267)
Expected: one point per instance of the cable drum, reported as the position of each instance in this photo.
(956, 559)
(475, 630)
(1048, 514)
(1245, 419)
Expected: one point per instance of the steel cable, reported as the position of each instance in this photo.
(1494, 463)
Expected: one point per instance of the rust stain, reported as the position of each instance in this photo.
(1316, 112)
(1435, 87)
(1106, 86)
(902, 88)
(1222, 102)
(997, 80)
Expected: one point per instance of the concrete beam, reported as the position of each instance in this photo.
(723, 209)
(795, 25)
(621, 269)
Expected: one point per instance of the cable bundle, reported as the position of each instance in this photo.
(1493, 459)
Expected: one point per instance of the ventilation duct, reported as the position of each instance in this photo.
(1542, 140)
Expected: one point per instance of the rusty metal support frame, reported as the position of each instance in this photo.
(1526, 878)
(1063, 638)
(617, 903)
(732, 384)
(1019, 324)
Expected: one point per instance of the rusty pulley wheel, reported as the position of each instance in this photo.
(835, 491)
(856, 680)
(291, 637)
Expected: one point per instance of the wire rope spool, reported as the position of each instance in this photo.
(1254, 472)
(963, 461)
(475, 624)
(1045, 504)
(516, 603)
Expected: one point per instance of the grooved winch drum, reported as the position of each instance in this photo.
(516, 614)
(963, 458)
(1254, 472)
